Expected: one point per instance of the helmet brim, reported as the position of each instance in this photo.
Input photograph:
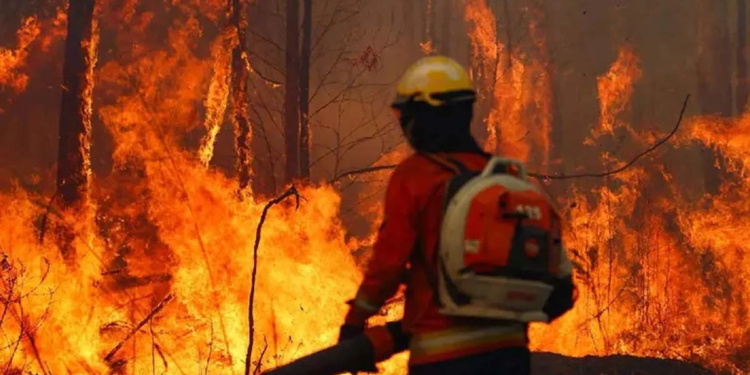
(441, 98)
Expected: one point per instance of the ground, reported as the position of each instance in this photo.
(555, 364)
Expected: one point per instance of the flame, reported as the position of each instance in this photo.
(190, 328)
(615, 89)
(653, 264)
(164, 251)
(514, 85)
(91, 45)
(12, 60)
(145, 129)
(55, 30)
(218, 92)
(164, 225)
(427, 47)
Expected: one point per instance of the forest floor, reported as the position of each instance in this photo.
(555, 364)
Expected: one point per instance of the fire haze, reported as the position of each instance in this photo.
(660, 274)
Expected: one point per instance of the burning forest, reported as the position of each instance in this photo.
(194, 186)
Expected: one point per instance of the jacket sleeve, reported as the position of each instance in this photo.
(391, 252)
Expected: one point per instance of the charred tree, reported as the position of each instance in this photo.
(549, 56)
(445, 27)
(242, 131)
(557, 131)
(408, 13)
(73, 163)
(508, 35)
(304, 98)
(292, 92)
(741, 91)
(714, 78)
(426, 16)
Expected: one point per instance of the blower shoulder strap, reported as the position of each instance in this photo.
(461, 175)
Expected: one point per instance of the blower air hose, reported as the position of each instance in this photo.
(357, 354)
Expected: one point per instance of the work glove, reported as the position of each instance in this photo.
(350, 331)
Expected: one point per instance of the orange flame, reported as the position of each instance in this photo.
(615, 89)
(517, 92)
(56, 30)
(91, 46)
(12, 60)
(659, 275)
(171, 227)
(218, 92)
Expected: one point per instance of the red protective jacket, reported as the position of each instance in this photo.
(405, 246)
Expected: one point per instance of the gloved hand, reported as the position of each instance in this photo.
(350, 331)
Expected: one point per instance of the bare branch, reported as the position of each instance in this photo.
(260, 359)
(362, 171)
(628, 164)
(250, 315)
(253, 69)
(558, 176)
(137, 328)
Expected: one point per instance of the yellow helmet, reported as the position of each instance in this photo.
(436, 81)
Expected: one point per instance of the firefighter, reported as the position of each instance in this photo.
(434, 106)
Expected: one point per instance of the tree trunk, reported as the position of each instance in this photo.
(508, 35)
(411, 40)
(74, 162)
(741, 91)
(714, 78)
(557, 131)
(557, 153)
(445, 27)
(427, 25)
(242, 131)
(292, 91)
(304, 98)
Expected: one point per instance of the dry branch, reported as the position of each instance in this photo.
(262, 354)
(137, 328)
(362, 171)
(250, 317)
(43, 226)
(556, 176)
(628, 164)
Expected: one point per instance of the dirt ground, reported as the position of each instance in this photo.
(555, 364)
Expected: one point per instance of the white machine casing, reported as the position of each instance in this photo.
(488, 294)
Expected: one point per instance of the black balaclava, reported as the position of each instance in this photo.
(439, 129)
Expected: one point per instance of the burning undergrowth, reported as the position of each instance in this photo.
(157, 273)
(199, 251)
